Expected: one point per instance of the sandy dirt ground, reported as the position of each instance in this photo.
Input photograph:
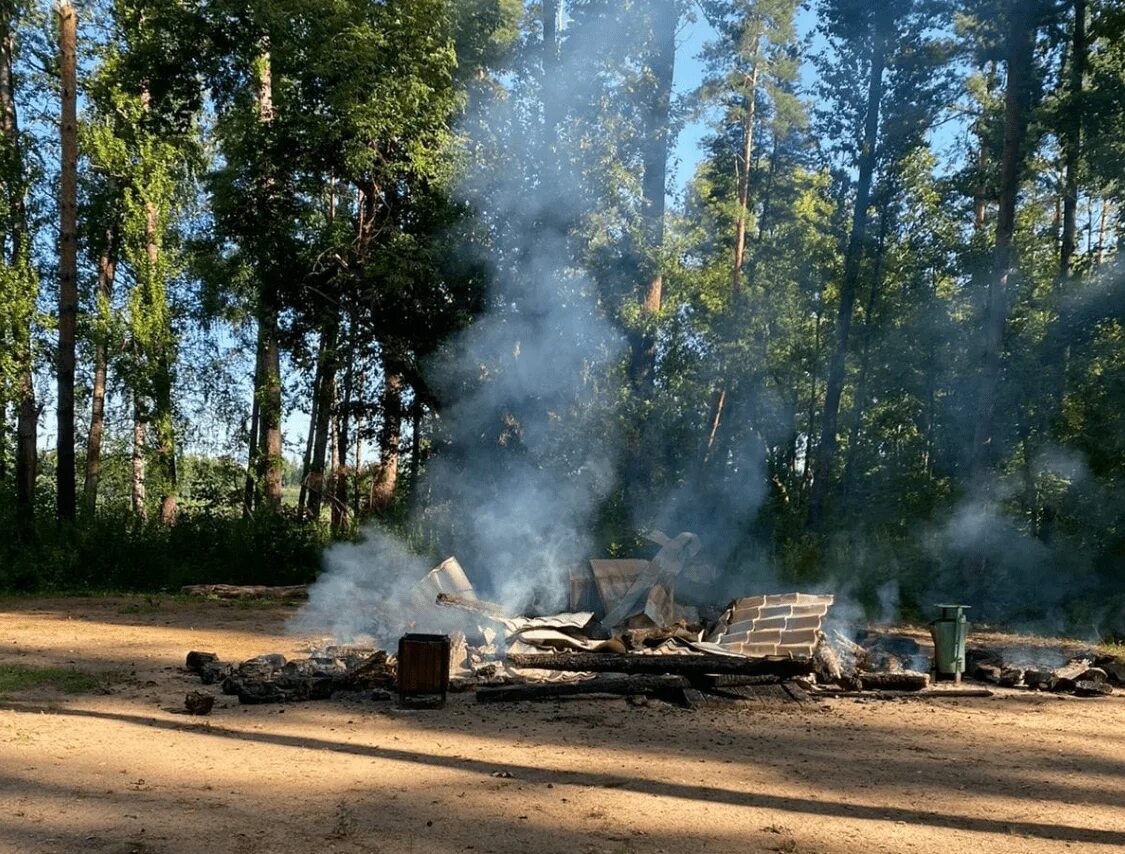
(122, 770)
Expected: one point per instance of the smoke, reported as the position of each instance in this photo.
(527, 436)
(363, 590)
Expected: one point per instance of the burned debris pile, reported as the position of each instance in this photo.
(627, 635)
(1086, 674)
(273, 679)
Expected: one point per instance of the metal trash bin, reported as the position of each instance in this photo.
(950, 631)
(423, 667)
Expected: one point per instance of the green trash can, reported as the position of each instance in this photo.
(950, 632)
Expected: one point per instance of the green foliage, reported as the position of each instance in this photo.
(113, 550)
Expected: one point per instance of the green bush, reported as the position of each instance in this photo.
(112, 550)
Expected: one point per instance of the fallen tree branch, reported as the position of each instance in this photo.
(685, 665)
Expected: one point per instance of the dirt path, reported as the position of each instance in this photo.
(124, 772)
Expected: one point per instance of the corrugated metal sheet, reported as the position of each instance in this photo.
(613, 578)
(780, 624)
(446, 577)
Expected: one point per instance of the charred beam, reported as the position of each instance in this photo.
(684, 665)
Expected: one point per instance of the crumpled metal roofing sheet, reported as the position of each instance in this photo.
(779, 624)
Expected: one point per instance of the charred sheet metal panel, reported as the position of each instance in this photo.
(780, 624)
(446, 577)
(613, 578)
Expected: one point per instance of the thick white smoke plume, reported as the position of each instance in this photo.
(527, 450)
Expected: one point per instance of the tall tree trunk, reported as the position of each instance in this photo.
(1072, 141)
(334, 459)
(310, 437)
(340, 501)
(269, 407)
(661, 67)
(745, 163)
(138, 461)
(68, 258)
(27, 418)
(813, 377)
(269, 391)
(360, 423)
(551, 105)
(416, 415)
(860, 404)
(390, 437)
(107, 272)
(250, 490)
(326, 394)
(743, 168)
(1099, 250)
(826, 448)
(1020, 51)
(163, 418)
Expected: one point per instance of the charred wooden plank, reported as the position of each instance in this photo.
(939, 693)
(710, 681)
(684, 665)
(617, 685)
(902, 681)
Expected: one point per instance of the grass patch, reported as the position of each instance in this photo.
(16, 677)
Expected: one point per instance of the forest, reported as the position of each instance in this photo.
(834, 284)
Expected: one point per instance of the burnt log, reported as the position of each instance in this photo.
(214, 672)
(683, 665)
(615, 685)
(976, 655)
(375, 671)
(1114, 668)
(826, 663)
(901, 681)
(1092, 688)
(196, 661)
(198, 703)
(1066, 677)
(1038, 678)
(987, 673)
(254, 591)
(1010, 677)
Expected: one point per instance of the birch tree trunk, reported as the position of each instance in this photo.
(68, 258)
(138, 461)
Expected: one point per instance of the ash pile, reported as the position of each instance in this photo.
(626, 634)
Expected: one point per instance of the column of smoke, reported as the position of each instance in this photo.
(528, 453)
